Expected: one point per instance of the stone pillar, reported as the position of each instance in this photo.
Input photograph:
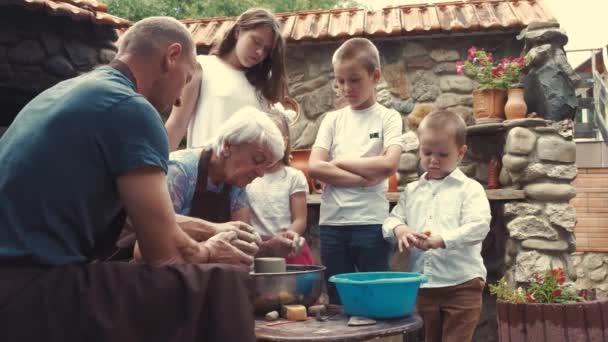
(541, 228)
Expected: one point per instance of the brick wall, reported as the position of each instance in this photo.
(591, 203)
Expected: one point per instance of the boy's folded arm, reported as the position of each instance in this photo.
(475, 221)
(321, 169)
(382, 166)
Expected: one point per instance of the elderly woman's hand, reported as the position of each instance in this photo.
(244, 231)
(221, 250)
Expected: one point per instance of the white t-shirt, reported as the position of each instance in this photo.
(224, 90)
(347, 133)
(269, 199)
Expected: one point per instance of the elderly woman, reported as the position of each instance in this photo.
(209, 183)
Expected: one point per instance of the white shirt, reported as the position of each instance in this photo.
(224, 90)
(348, 133)
(269, 199)
(457, 209)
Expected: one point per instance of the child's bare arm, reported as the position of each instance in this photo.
(177, 123)
(374, 167)
(298, 210)
(320, 168)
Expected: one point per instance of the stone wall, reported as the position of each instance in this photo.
(541, 162)
(591, 272)
(414, 71)
(37, 50)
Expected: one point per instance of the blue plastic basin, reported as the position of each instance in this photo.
(378, 294)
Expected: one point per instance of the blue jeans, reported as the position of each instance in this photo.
(348, 249)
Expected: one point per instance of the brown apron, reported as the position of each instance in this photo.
(208, 205)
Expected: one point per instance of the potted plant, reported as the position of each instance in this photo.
(493, 80)
(516, 107)
(548, 310)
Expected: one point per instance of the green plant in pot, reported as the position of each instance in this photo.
(548, 309)
(493, 78)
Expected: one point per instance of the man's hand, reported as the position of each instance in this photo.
(249, 248)
(221, 250)
(407, 238)
(244, 231)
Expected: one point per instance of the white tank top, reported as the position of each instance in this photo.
(224, 90)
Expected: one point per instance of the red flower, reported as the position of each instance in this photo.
(556, 293)
(498, 70)
(520, 61)
(558, 274)
(530, 298)
(505, 61)
(471, 53)
(460, 67)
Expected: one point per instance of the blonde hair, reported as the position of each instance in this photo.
(360, 49)
(446, 121)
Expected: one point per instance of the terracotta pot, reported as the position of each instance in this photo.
(299, 161)
(515, 108)
(489, 105)
(585, 321)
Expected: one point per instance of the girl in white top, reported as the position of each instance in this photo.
(278, 199)
(245, 68)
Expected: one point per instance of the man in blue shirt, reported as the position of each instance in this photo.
(76, 159)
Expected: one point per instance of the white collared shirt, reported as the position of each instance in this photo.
(457, 209)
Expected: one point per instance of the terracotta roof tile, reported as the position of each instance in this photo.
(444, 17)
(91, 10)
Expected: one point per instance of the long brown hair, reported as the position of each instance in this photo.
(268, 76)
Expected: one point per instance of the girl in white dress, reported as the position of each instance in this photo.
(278, 199)
(245, 68)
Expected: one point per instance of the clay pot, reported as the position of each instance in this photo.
(300, 161)
(270, 265)
(516, 107)
(489, 105)
(493, 173)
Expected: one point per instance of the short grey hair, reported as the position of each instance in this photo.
(152, 34)
(253, 126)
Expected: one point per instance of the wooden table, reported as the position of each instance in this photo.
(336, 329)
